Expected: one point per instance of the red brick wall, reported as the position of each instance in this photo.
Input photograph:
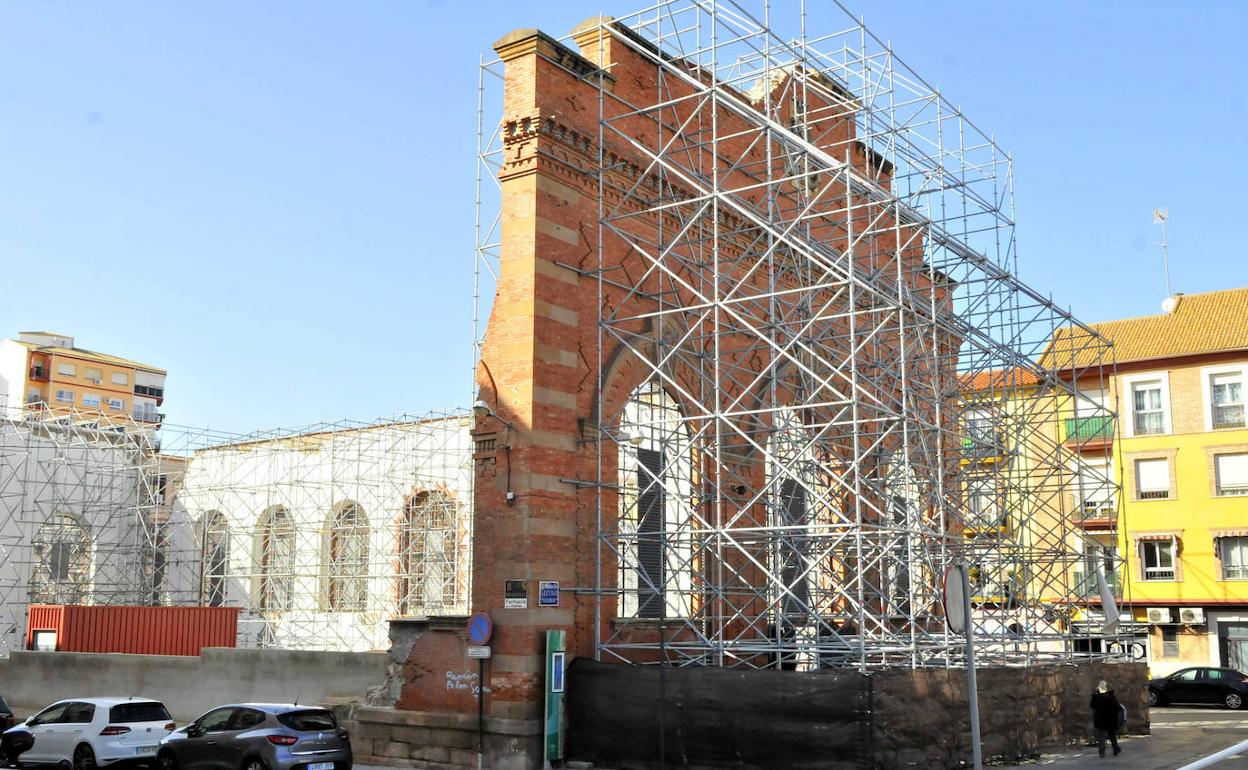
(539, 362)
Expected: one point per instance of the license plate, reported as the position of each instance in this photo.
(145, 749)
(321, 766)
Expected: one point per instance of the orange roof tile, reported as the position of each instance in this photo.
(1211, 322)
(995, 379)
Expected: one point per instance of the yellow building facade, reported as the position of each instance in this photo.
(1179, 452)
(45, 371)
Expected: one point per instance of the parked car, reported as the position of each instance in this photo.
(11, 746)
(86, 733)
(259, 736)
(7, 719)
(1200, 685)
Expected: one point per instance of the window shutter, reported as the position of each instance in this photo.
(651, 598)
(1153, 475)
(1232, 471)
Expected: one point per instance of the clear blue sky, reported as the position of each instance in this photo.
(274, 200)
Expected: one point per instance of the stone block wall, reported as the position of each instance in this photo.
(423, 739)
(920, 718)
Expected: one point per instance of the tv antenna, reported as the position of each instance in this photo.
(1159, 218)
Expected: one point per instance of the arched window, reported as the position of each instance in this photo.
(428, 546)
(62, 561)
(275, 559)
(215, 559)
(792, 485)
(348, 559)
(656, 514)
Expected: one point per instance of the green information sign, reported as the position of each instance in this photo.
(556, 657)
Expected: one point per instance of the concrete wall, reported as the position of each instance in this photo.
(190, 686)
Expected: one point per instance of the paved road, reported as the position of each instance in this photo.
(1180, 735)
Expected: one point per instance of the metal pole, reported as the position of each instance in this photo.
(480, 713)
(972, 691)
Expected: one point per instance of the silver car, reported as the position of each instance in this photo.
(258, 736)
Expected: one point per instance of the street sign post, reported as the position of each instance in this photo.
(480, 629)
(957, 601)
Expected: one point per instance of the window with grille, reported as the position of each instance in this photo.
(1157, 557)
(1226, 393)
(1147, 410)
(1152, 479)
(1231, 471)
(275, 536)
(348, 559)
(1233, 552)
(428, 548)
(1170, 645)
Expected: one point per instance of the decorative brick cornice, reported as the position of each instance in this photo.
(528, 41)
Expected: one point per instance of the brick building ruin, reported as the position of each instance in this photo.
(757, 370)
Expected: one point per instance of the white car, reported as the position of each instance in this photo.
(95, 732)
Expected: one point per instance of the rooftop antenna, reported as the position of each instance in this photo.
(1159, 218)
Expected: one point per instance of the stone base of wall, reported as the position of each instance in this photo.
(424, 739)
(920, 718)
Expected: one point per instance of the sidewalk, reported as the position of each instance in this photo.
(1180, 736)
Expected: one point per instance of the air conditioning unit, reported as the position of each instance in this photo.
(1159, 615)
(1192, 616)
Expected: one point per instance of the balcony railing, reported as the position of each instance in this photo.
(1093, 510)
(38, 374)
(1086, 587)
(1228, 416)
(979, 442)
(1090, 429)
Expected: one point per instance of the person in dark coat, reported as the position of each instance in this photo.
(1106, 711)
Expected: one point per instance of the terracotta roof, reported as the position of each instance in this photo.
(998, 379)
(1212, 322)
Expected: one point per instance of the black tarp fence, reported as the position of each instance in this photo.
(630, 717)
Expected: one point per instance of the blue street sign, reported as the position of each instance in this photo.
(480, 628)
(548, 593)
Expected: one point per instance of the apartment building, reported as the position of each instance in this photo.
(46, 371)
(1179, 450)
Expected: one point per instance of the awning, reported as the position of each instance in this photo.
(1169, 534)
(1232, 532)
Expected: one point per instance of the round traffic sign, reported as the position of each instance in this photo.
(480, 628)
(954, 599)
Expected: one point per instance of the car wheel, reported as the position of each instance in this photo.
(84, 758)
(1233, 700)
(254, 763)
(1155, 699)
(167, 761)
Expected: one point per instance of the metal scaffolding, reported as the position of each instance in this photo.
(320, 535)
(810, 254)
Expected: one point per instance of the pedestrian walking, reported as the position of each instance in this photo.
(1106, 715)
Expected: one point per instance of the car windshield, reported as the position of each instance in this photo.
(312, 720)
(138, 712)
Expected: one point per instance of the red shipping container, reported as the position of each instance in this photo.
(135, 630)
